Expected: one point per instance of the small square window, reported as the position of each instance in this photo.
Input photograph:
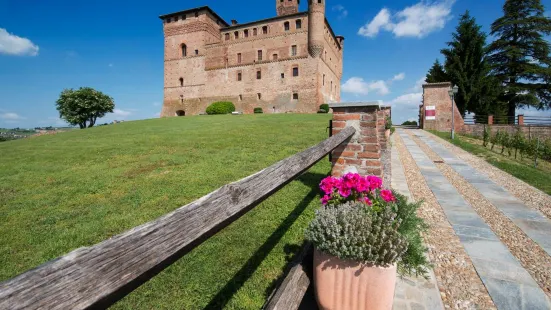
(295, 96)
(258, 75)
(293, 50)
(184, 17)
(239, 58)
(239, 76)
(259, 55)
(227, 36)
(240, 97)
(283, 75)
(255, 31)
(196, 52)
(175, 18)
(286, 26)
(274, 56)
(246, 33)
(196, 14)
(259, 95)
(295, 71)
(265, 30)
(236, 34)
(168, 20)
(299, 24)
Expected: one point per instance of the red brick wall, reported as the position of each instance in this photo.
(436, 94)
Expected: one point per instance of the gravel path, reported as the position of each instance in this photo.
(460, 286)
(531, 196)
(531, 256)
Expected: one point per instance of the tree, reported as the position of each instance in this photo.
(520, 55)
(467, 67)
(84, 105)
(437, 74)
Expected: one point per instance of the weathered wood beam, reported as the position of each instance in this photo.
(97, 276)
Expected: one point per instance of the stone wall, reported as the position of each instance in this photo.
(365, 149)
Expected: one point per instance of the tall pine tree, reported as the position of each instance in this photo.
(437, 74)
(520, 55)
(467, 67)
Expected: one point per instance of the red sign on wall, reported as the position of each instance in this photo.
(430, 113)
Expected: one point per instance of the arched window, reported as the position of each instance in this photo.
(184, 50)
(181, 82)
(180, 113)
(236, 34)
(227, 36)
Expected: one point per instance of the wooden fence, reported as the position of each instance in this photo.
(98, 276)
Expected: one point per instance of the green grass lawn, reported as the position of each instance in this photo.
(523, 169)
(78, 188)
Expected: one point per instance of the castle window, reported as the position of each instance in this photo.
(227, 36)
(181, 82)
(168, 20)
(255, 31)
(293, 50)
(295, 96)
(246, 33)
(197, 13)
(196, 52)
(286, 25)
(265, 30)
(184, 17)
(236, 34)
(258, 75)
(295, 71)
(274, 57)
(259, 55)
(240, 97)
(238, 58)
(298, 23)
(184, 50)
(323, 80)
(175, 18)
(239, 76)
(259, 95)
(283, 75)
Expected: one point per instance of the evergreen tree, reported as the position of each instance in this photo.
(437, 74)
(520, 55)
(467, 67)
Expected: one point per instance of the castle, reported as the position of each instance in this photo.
(288, 63)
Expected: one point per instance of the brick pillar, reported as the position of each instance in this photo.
(490, 119)
(521, 120)
(363, 149)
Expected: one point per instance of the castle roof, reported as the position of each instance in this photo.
(201, 8)
(266, 20)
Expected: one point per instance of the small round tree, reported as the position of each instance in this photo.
(83, 106)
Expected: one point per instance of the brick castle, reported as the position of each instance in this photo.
(288, 63)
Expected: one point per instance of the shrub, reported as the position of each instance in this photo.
(220, 107)
(324, 107)
(388, 122)
(363, 222)
(258, 111)
(487, 133)
(409, 123)
(392, 130)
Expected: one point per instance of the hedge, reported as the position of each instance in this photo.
(220, 107)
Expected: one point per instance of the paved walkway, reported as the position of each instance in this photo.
(510, 286)
(412, 293)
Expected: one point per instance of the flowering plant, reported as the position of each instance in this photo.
(354, 187)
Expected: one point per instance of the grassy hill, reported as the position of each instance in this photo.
(78, 188)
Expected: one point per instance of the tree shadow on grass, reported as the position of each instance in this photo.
(238, 280)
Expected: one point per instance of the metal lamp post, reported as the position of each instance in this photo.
(452, 92)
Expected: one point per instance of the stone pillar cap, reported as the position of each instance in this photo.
(356, 104)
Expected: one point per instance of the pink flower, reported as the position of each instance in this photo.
(367, 201)
(362, 185)
(387, 195)
(344, 191)
(374, 182)
(350, 180)
(328, 184)
(325, 199)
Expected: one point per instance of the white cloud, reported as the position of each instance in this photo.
(11, 116)
(407, 101)
(399, 76)
(414, 21)
(121, 113)
(343, 12)
(357, 85)
(11, 44)
(419, 84)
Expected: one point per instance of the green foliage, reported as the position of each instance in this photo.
(356, 232)
(220, 107)
(3, 139)
(466, 67)
(520, 55)
(409, 123)
(258, 111)
(324, 107)
(83, 106)
(437, 74)
(388, 122)
(487, 133)
(392, 130)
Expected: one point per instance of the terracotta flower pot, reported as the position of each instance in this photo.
(348, 285)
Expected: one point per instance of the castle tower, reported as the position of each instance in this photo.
(316, 24)
(286, 7)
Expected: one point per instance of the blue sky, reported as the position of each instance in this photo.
(117, 47)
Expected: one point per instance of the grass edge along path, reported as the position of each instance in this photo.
(75, 189)
(536, 177)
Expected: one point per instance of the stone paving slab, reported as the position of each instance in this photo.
(412, 293)
(534, 224)
(510, 286)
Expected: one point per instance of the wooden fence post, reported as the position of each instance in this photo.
(363, 149)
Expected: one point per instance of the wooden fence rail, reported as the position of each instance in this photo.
(98, 276)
